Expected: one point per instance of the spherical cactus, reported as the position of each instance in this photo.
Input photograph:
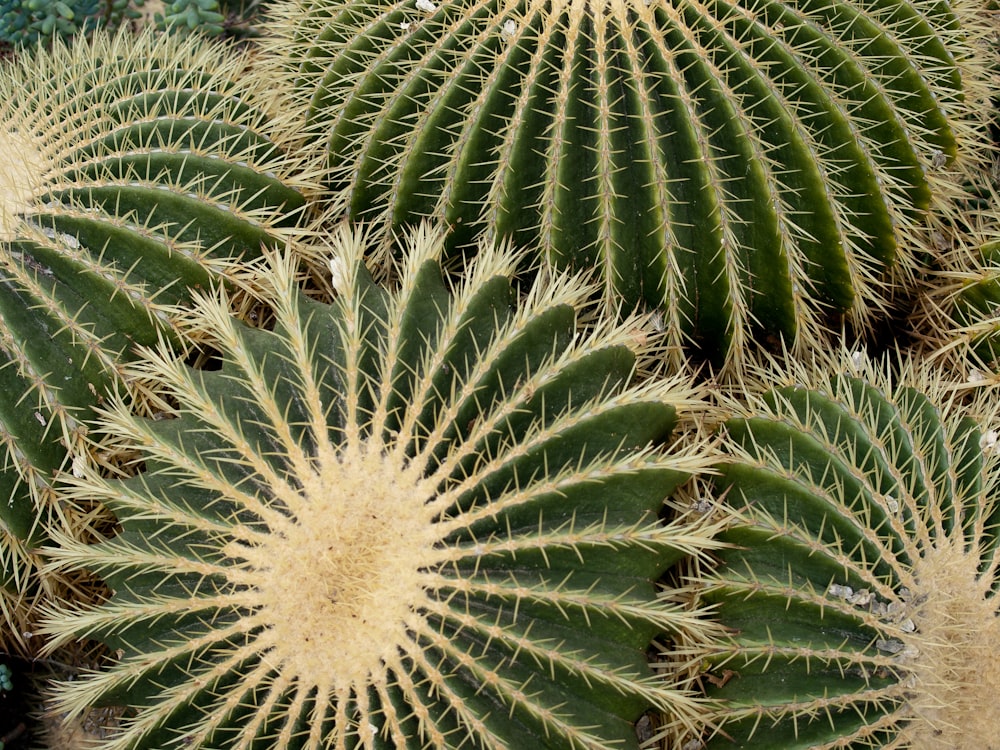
(151, 133)
(861, 590)
(407, 519)
(751, 170)
(132, 170)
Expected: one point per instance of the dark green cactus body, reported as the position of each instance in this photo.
(136, 170)
(861, 587)
(407, 519)
(754, 169)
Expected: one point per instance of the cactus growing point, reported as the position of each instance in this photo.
(412, 518)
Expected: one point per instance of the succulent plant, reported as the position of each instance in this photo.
(229, 18)
(752, 170)
(193, 15)
(861, 587)
(958, 320)
(410, 518)
(132, 170)
(26, 23)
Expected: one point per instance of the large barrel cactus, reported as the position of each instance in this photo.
(754, 170)
(411, 518)
(132, 170)
(861, 592)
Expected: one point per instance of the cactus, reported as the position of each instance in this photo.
(861, 588)
(958, 320)
(752, 170)
(231, 18)
(410, 518)
(131, 171)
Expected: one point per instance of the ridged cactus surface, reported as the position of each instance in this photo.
(412, 518)
(752, 169)
(862, 590)
(132, 170)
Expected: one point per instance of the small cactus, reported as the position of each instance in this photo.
(754, 171)
(861, 587)
(406, 519)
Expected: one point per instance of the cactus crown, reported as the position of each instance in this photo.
(862, 587)
(404, 519)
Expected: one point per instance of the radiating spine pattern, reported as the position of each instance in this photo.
(861, 590)
(416, 517)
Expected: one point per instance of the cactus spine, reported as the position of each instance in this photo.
(861, 590)
(754, 170)
(408, 519)
(132, 170)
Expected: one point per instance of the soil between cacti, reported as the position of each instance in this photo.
(15, 729)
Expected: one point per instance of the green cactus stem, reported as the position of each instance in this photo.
(410, 518)
(861, 592)
(754, 170)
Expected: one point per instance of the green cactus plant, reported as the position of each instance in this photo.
(412, 518)
(958, 321)
(753, 170)
(861, 587)
(132, 170)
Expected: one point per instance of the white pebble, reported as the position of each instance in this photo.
(988, 442)
(841, 592)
